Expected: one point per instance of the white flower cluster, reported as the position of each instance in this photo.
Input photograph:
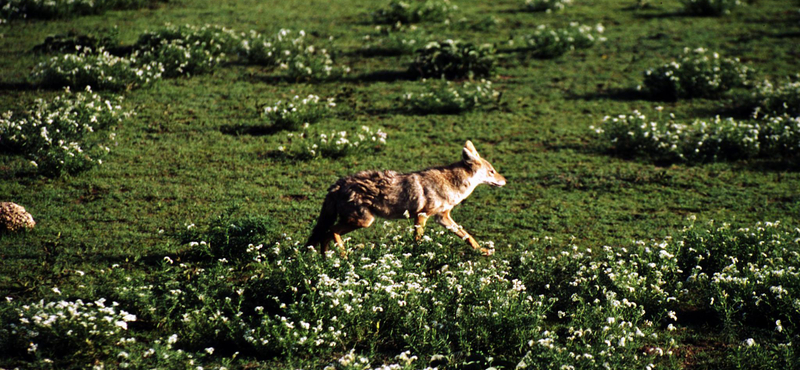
(698, 73)
(292, 52)
(187, 49)
(777, 99)
(550, 42)
(333, 145)
(700, 140)
(63, 134)
(399, 12)
(68, 324)
(546, 5)
(96, 68)
(447, 97)
(297, 112)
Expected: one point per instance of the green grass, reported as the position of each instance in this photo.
(198, 147)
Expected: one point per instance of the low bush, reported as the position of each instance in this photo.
(453, 59)
(398, 11)
(98, 69)
(293, 53)
(310, 145)
(709, 7)
(186, 50)
(229, 235)
(547, 42)
(697, 74)
(701, 140)
(293, 114)
(546, 5)
(64, 135)
(776, 99)
(27, 9)
(444, 97)
(73, 42)
(395, 41)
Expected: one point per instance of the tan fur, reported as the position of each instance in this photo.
(354, 201)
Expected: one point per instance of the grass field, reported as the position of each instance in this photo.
(162, 226)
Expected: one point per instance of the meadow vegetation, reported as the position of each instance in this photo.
(175, 155)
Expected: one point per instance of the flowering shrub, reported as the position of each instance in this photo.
(305, 145)
(777, 100)
(186, 49)
(697, 74)
(745, 273)
(548, 42)
(701, 140)
(453, 59)
(62, 135)
(66, 328)
(448, 98)
(73, 42)
(16, 9)
(298, 57)
(98, 69)
(546, 5)
(417, 11)
(394, 41)
(548, 302)
(293, 114)
(709, 7)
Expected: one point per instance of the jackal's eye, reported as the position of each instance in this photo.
(491, 172)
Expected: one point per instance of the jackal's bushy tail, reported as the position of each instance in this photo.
(326, 219)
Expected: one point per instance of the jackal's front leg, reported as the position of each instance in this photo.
(419, 225)
(446, 221)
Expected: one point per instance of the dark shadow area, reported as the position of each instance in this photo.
(375, 52)
(616, 94)
(250, 130)
(17, 86)
(665, 15)
(383, 76)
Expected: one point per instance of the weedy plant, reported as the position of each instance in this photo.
(25, 9)
(186, 50)
(98, 69)
(444, 97)
(73, 42)
(776, 100)
(64, 135)
(699, 73)
(308, 145)
(709, 7)
(292, 53)
(65, 328)
(547, 42)
(546, 5)
(293, 114)
(452, 59)
(414, 12)
(700, 140)
(395, 40)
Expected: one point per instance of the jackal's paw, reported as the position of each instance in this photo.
(486, 251)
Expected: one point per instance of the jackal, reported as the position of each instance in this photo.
(354, 201)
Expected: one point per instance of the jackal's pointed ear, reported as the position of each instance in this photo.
(469, 154)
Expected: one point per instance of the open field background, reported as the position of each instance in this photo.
(198, 150)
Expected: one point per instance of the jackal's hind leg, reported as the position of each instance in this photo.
(419, 225)
(445, 220)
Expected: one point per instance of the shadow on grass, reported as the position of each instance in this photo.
(250, 130)
(18, 86)
(616, 94)
(383, 76)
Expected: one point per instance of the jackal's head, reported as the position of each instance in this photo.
(483, 172)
